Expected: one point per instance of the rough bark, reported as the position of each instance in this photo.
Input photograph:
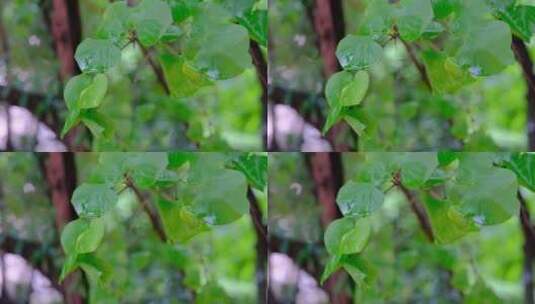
(326, 171)
(522, 56)
(67, 33)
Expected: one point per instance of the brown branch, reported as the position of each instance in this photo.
(528, 230)
(262, 246)
(156, 68)
(261, 71)
(417, 208)
(524, 60)
(148, 208)
(419, 66)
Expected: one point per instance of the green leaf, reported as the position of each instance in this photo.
(73, 118)
(417, 168)
(355, 124)
(92, 95)
(70, 234)
(182, 78)
(347, 235)
(99, 125)
(177, 159)
(254, 167)
(180, 223)
(523, 165)
(333, 264)
(145, 168)
(520, 18)
(69, 265)
(256, 22)
(346, 89)
(74, 88)
(358, 52)
(152, 18)
(222, 52)
(93, 200)
(334, 116)
(115, 23)
(97, 55)
(413, 18)
(378, 20)
(446, 157)
(359, 199)
(97, 270)
(445, 75)
(221, 199)
(485, 195)
(90, 239)
(448, 223)
(486, 54)
(443, 8)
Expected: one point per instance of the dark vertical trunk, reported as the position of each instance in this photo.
(528, 229)
(261, 70)
(328, 20)
(59, 172)
(262, 246)
(67, 34)
(326, 170)
(524, 59)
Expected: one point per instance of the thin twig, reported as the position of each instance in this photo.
(417, 208)
(529, 250)
(147, 207)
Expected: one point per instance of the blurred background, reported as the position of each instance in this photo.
(226, 116)
(399, 111)
(399, 264)
(222, 262)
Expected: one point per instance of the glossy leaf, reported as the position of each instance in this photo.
(360, 199)
(358, 52)
(413, 18)
(347, 235)
(97, 55)
(93, 200)
(92, 95)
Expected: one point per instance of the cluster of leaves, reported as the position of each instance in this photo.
(193, 193)
(460, 192)
(197, 43)
(454, 44)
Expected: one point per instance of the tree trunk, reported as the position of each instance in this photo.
(328, 20)
(59, 172)
(326, 171)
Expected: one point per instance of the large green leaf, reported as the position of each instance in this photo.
(448, 223)
(115, 23)
(413, 17)
(151, 18)
(97, 55)
(445, 74)
(254, 167)
(256, 22)
(221, 52)
(347, 235)
(180, 224)
(93, 200)
(182, 78)
(92, 95)
(487, 196)
(417, 168)
(486, 54)
(90, 239)
(359, 199)
(221, 199)
(74, 88)
(347, 89)
(358, 52)
(378, 20)
(520, 18)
